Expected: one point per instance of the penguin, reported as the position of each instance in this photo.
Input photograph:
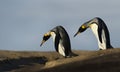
(61, 41)
(100, 30)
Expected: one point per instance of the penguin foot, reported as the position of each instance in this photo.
(107, 48)
(100, 49)
(71, 55)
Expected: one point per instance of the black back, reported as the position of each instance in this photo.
(102, 26)
(62, 35)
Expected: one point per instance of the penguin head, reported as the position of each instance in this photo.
(87, 24)
(45, 37)
(81, 29)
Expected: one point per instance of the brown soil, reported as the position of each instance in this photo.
(87, 61)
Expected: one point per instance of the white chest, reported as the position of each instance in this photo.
(53, 36)
(61, 49)
(94, 28)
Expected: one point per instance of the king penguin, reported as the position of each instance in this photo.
(100, 30)
(61, 41)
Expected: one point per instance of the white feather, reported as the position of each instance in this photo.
(103, 40)
(94, 28)
(61, 49)
(53, 36)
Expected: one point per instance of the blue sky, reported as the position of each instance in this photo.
(23, 22)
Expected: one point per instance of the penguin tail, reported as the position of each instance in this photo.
(110, 47)
(71, 54)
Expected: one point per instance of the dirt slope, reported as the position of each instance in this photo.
(87, 61)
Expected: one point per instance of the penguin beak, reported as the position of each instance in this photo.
(42, 42)
(45, 38)
(77, 34)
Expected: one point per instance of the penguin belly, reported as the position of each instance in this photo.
(102, 45)
(61, 49)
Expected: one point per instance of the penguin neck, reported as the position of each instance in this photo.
(53, 35)
(94, 28)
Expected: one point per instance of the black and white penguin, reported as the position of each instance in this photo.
(100, 30)
(61, 41)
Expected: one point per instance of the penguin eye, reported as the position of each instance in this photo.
(83, 27)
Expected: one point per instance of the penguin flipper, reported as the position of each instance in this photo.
(57, 39)
(100, 34)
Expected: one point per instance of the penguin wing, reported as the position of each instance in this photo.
(100, 33)
(57, 40)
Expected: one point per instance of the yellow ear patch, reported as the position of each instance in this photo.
(47, 34)
(83, 26)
